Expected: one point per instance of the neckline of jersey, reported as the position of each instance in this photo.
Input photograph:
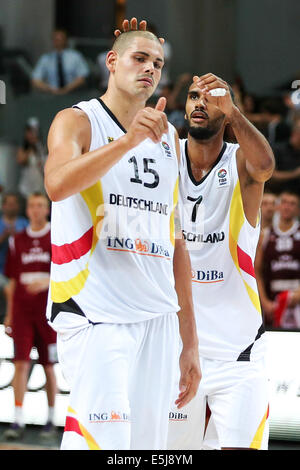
(289, 232)
(38, 233)
(111, 114)
(197, 183)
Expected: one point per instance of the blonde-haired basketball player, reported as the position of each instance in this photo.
(119, 274)
(220, 192)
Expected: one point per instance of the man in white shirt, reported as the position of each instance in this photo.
(62, 70)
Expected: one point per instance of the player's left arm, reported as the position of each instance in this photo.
(189, 358)
(255, 163)
(255, 157)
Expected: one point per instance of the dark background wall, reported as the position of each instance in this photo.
(258, 39)
(86, 18)
(268, 42)
(202, 32)
(27, 24)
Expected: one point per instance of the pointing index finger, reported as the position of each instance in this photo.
(161, 104)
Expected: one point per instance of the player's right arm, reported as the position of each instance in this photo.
(71, 167)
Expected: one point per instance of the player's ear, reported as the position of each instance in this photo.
(111, 60)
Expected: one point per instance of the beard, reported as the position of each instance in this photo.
(205, 133)
(200, 133)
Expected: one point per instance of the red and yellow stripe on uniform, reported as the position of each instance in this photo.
(74, 425)
(241, 259)
(61, 291)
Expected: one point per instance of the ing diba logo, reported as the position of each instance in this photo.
(141, 246)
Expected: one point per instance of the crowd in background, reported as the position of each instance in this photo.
(65, 70)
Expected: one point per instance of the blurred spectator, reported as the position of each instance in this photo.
(249, 104)
(268, 208)
(292, 103)
(238, 91)
(61, 71)
(277, 266)
(276, 129)
(102, 70)
(1, 192)
(268, 214)
(10, 223)
(287, 157)
(31, 157)
(270, 115)
(28, 268)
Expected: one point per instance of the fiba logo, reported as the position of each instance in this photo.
(222, 173)
(2, 92)
(167, 149)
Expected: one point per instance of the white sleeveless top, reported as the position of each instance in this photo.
(113, 243)
(222, 246)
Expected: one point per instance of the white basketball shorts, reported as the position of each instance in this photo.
(237, 396)
(120, 378)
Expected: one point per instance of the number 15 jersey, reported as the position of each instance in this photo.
(222, 246)
(113, 243)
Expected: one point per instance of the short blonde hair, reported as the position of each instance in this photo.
(124, 39)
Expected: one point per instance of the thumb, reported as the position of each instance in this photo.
(161, 104)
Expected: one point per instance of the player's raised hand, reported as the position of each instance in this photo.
(133, 25)
(149, 123)
(216, 91)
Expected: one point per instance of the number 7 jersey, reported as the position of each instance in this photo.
(113, 244)
(222, 246)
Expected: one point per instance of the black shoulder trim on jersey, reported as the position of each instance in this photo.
(196, 183)
(111, 114)
(68, 306)
(95, 323)
(245, 355)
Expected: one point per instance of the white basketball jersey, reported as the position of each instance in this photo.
(113, 243)
(222, 246)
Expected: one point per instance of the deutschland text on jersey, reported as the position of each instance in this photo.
(113, 244)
